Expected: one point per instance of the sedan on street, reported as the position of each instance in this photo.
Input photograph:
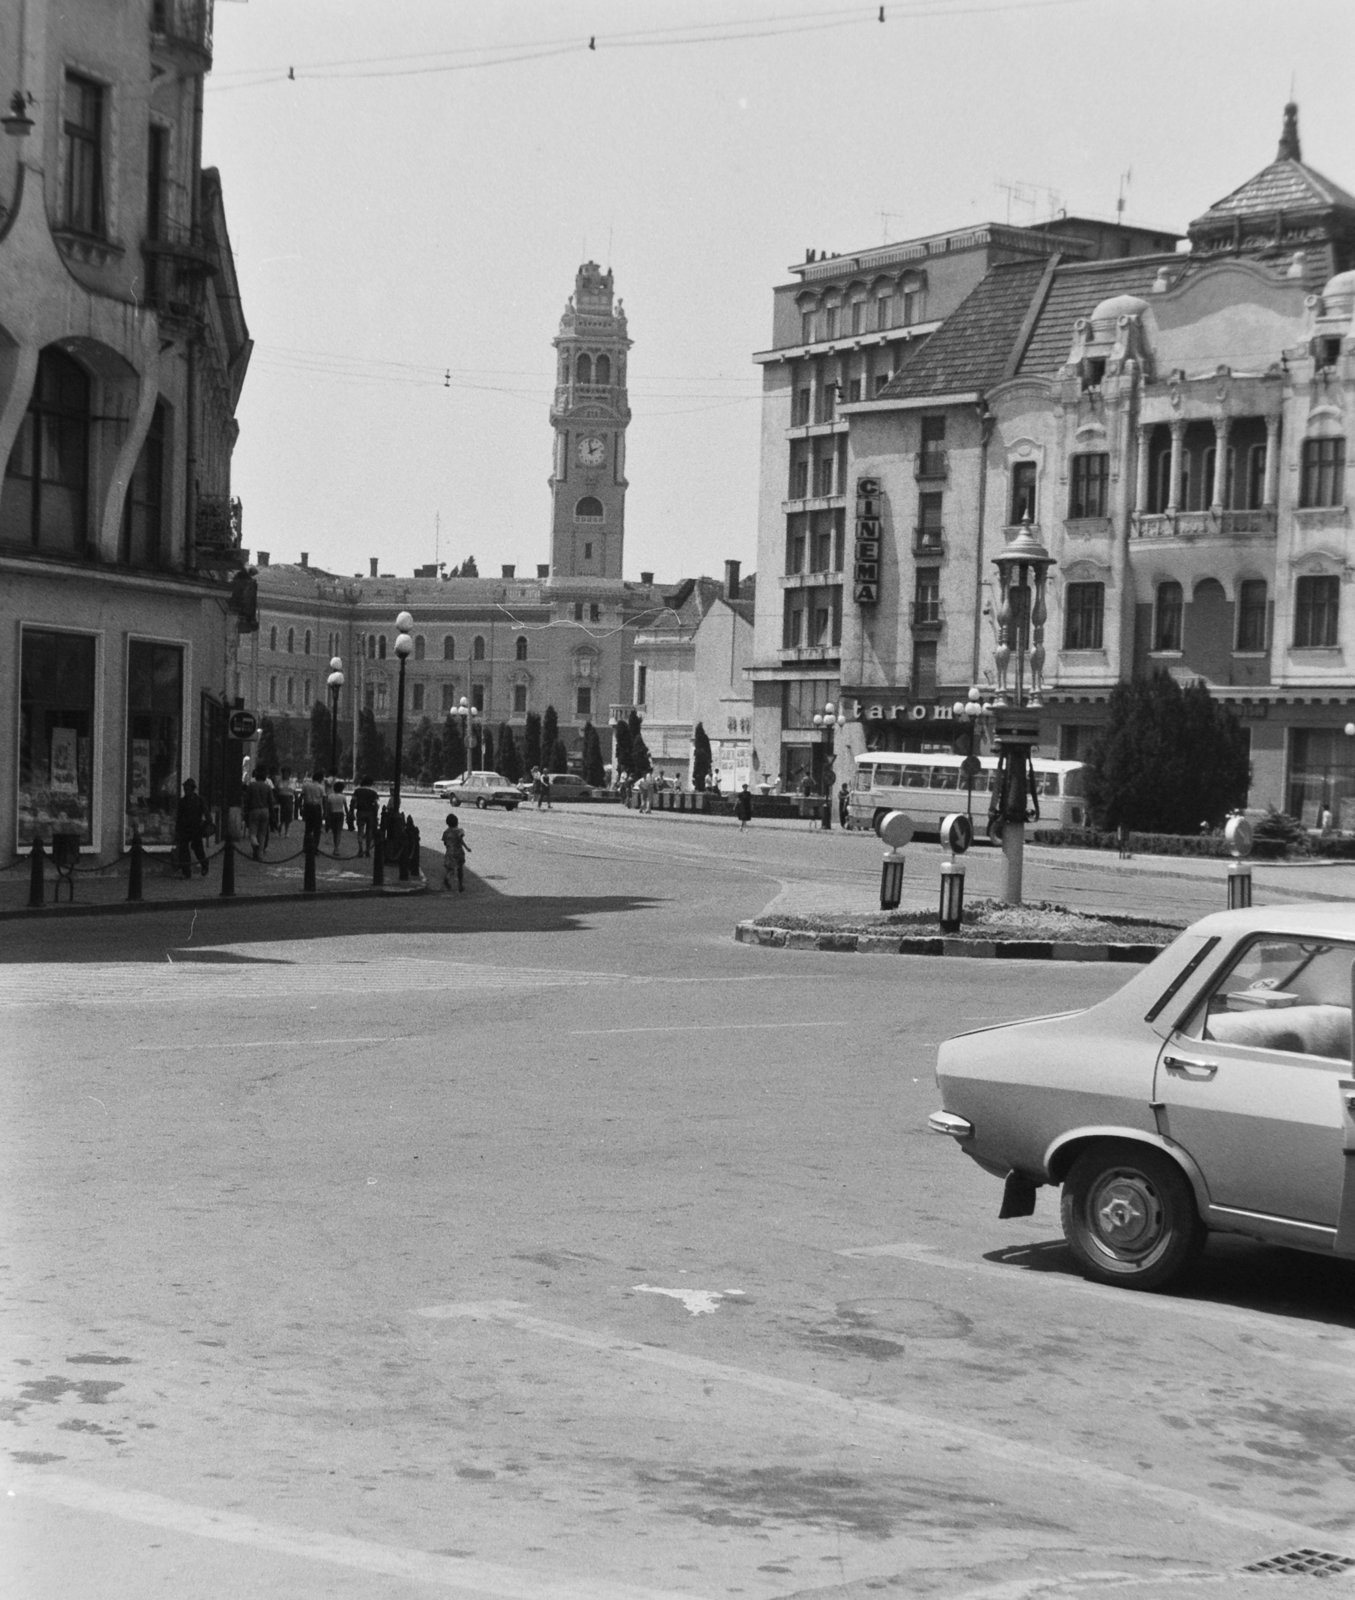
(1213, 1092)
(480, 789)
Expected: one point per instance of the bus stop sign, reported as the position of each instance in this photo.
(242, 725)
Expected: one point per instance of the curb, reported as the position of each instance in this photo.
(874, 944)
(129, 907)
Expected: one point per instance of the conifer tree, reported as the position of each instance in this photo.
(559, 757)
(510, 762)
(640, 763)
(550, 732)
(531, 742)
(701, 757)
(593, 770)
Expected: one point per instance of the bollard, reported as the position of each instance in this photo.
(378, 863)
(308, 880)
(412, 847)
(227, 864)
(952, 895)
(891, 880)
(35, 877)
(1239, 885)
(404, 849)
(135, 852)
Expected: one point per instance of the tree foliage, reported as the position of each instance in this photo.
(486, 750)
(559, 757)
(1169, 759)
(621, 749)
(373, 756)
(640, 763)
(423, 755)
(320, 730)
(594, 771)
(453, 748)
(701, 757)
(510, 762)
(550, 732)
(531, 741)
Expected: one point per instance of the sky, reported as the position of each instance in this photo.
(411, 186)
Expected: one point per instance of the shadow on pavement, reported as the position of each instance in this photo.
(1232, 1271)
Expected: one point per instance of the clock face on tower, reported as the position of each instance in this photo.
(592, 452)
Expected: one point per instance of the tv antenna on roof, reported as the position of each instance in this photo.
(1032, 198)
(1126, 178)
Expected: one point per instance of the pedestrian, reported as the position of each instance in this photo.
(363, 806)
(455, 851)
(313, 807)
(807, 807)
(844, 799)
(258, 813)
(538, 788)
(743, 807)
(1122, 839)
(190, 823)
(336, 808)
(285, 790)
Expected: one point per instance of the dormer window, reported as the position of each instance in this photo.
(1328, 352)
(1093, 372)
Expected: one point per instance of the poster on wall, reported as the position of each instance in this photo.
(64, 774)
(139, 774)
(155, 733)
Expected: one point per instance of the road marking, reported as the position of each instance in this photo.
(1204, 1311)
(293, 1044)
(700, 1302)
(702, 1027)
(894, 1418)
(363, 1555)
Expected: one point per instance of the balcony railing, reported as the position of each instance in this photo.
(183, 28)
(925, 613)
(1200, 524)
(930, 464)
(928, 541)
(177, 269)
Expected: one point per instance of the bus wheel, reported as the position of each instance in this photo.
(878, 818)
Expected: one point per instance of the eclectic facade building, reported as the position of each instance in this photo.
(1171, 425)
(122, 354)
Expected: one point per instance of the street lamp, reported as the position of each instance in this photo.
(826, 721)
(335, 682)
(468, 713)
(973, 713)
(1023, 570)
(404, 647)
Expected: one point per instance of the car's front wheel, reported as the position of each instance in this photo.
(480, 803)
(1129, 1216)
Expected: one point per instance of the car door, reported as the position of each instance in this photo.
(1251, 1083)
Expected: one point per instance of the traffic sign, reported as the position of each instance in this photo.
(895, 829)
(957, 833)
(242, 725)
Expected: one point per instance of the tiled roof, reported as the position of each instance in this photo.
(969, 350)
(1284, 185)
(1076, 292)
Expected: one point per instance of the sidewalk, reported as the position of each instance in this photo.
(279, 876)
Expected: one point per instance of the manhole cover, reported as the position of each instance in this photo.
(1305, 1564)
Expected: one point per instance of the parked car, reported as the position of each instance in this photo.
(1213, 1093)
(563, 786)
(481, 789)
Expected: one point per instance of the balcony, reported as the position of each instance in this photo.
(181, 30)
(929, 541)
(177, 270)
(810, 652)
(930, 465)
(1201, 524)
(926, 616)
(216, 530)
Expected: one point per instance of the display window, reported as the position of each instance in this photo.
(56, 735)
(155, 679)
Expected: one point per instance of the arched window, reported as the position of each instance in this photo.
(419, 649)
(589, 509)
(1167, 632)
(291, 641)
(520, 649)
(44, 504)
(307, 650)
(583, 370)
(272, 638)
(478, 648)
(449, 648)
(603, 371)
(291, 691)
(381, 647)
(371, 647)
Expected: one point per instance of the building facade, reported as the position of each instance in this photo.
(122, 355)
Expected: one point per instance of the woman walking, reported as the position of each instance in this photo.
(743, 807)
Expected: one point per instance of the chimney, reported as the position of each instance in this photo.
(509, 571)
(646, 578)
(543, 572)
(371, 561)
(732, 580)
(263, 558)
(305, 558)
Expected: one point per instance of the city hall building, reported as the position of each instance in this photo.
(122, 354)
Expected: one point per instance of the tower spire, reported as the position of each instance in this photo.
(1289, 139)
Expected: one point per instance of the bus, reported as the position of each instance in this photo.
(929, 787)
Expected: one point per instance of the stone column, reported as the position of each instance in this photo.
(1141, 479)
(1272, 461)
(1220, 465)
(1178, 428)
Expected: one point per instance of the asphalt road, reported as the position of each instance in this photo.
(541, 1242)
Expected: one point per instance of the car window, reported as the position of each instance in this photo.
(1282, 993)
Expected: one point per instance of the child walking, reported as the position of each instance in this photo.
(456, 850)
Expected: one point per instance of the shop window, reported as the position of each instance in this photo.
(45, 498)
(583, 701)
(1087, 491)
(1023, 492)
(1316, 606)
(155, 682)
(1322, 778)
(56, 733)
(142, 512)
(449, 648)
(1083, 613)
(519, 698)
(1167, 627)
(83, 124)
(478, 648)
(1324, 468)
(416, 698)
(520, 648)
(420, 647)
(1251, 614)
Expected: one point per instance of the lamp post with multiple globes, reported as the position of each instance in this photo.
(336, 683)
(827, 722)
(468, 715)
(404, 647)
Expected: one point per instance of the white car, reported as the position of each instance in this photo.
(480, 789)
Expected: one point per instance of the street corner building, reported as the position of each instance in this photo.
(1167, 415)
(123, 350)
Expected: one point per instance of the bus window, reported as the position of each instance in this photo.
(945, 777)
(1074, 783)
(980, 783)
(864, 775)
(915, 777)
(886, 776)
(1047, 783)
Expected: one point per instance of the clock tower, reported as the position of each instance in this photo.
(589, 415)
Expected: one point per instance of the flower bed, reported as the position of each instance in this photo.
(988, 920)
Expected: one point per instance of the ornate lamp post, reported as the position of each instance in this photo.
(467, 714)
(404, 647)
(826, 722)
(1023, 570)
(336, 683)
(974, 714)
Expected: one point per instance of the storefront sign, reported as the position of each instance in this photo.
(866, 570)
(902, 711)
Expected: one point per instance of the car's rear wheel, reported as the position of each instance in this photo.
(1129, 1216)
(480, 803)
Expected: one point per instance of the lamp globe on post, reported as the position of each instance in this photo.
(336, 682)
(404, 648)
